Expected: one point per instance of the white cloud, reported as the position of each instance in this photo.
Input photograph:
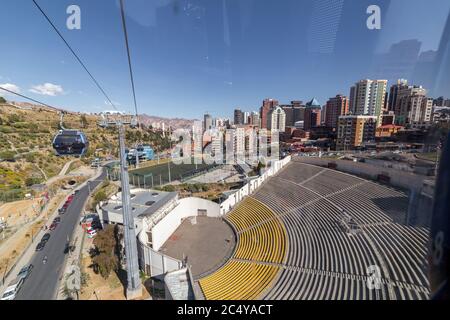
(10, 87)
(47, 89)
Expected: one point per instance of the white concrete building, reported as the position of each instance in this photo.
(276, 119)
(367, 97)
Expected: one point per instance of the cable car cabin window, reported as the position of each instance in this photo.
(70, 143)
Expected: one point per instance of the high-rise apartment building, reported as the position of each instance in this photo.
(414, 109)
(312, 116)
(336, 107)
(408, 102)
(393, 93)
(246, 116)
(367, 97)
(238, 117)
(294, 112)
(239, 144)
(267, 105)
(276, 119)
(354, 130)
(207, 122)
(254, 119)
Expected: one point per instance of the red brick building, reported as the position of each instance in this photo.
(267, 105)
(337, 106)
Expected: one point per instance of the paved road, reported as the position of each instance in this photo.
(43, 282)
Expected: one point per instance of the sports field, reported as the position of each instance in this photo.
(159, 174)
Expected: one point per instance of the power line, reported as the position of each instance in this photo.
(73, 52)
(28, 98)
(124, 26)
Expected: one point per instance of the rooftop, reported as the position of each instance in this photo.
(143, 202)
(313, 103)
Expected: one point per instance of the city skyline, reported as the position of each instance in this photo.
(209, 55)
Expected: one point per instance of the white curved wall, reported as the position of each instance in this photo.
(158, 263)
(227, 205)
(187, 207)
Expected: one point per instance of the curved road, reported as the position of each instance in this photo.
(43, 282)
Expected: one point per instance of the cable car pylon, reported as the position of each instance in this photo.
(134, 286)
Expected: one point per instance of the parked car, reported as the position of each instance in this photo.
(57, 220)
(40, 246)
(25, 271)
(53, 226)
(62, 210)
(45, 237)
(12, 290)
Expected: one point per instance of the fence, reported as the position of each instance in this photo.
(251, 187)
(161, 175)
(155, 263)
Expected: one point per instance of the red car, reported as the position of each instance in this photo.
(70, 199)
(53, 226)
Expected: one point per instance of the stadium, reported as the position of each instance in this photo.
(298, 232)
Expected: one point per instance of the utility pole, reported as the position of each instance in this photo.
(137, 157)
(170, 180)
(134, 287)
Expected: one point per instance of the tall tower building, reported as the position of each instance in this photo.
(393, 93)
(403, 102)
(238, 117)
(313, 113)
(294, 112)
(276, 119)
(254, 119)
(246, 117)
(207, 122)
(267, 105)
(414, 109)
(367, 97)
(336, 107)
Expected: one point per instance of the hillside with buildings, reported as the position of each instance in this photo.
(26, 135)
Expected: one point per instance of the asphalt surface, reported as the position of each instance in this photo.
(43, 282)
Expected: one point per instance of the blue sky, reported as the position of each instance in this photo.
(193, 56)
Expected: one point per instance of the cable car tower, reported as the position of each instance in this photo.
(134, 287)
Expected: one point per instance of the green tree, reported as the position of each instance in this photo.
(105, 257)
(2, 100)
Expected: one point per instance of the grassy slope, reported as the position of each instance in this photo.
(28, 135)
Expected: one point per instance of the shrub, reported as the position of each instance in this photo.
(31, 181)
(169, 188)
(105, 258)
(100, 196)
(7, 155)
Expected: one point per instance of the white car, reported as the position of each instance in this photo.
(13, 289)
